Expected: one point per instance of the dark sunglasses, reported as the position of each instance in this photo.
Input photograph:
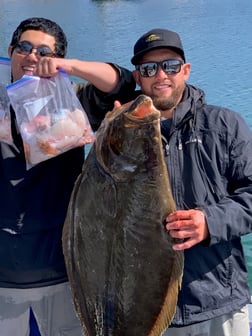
(26, 48)
(169, 66)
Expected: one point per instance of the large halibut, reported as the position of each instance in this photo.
(124, 274)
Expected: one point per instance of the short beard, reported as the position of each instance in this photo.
(163, 104)
(169, 103)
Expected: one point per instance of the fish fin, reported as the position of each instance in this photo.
(168, 309)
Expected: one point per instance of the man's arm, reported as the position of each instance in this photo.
(102, 75)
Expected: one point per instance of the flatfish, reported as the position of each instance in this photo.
(124, 274)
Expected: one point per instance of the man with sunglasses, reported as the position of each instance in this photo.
(33, 203)
(208, 152)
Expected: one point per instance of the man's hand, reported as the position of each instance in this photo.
(49, 66)
(117, 104)
(189, 225)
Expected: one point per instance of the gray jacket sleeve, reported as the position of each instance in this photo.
(231, 217)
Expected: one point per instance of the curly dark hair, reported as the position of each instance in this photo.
(44, 25)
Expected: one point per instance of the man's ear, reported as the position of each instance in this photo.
(136, 75)
(10, 51)
(186, 70)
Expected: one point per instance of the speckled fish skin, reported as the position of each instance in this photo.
(124, 274)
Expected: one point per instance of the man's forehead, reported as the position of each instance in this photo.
(159, 54)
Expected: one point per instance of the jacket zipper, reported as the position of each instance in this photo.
(166, 146)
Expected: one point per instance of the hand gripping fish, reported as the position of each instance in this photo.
(124, 274)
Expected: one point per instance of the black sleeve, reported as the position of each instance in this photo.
(97, 103)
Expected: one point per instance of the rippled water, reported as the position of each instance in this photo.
(217, 37)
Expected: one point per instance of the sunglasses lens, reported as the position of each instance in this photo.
(44, 51)
(24, 48)
(171, 66)
(148, 69)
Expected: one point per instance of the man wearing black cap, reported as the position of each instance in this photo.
(208, 154)
(158, 52)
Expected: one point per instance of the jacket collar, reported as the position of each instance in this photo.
(193, 99)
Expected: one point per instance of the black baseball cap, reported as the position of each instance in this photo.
(157, 39)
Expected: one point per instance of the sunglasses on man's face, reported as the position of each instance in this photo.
(26, 48)
(169, 66)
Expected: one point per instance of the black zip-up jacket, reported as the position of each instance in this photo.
(209, 159)
(208, 152)
(33, 203)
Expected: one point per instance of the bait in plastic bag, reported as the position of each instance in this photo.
(49, 115)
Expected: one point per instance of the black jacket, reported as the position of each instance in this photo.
(33, 203)
(209, 159)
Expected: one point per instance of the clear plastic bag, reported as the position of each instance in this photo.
(5, 119)
(49, 115)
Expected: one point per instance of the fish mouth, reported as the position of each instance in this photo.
(142, 109)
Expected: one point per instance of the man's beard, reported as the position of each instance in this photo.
(168, 103)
